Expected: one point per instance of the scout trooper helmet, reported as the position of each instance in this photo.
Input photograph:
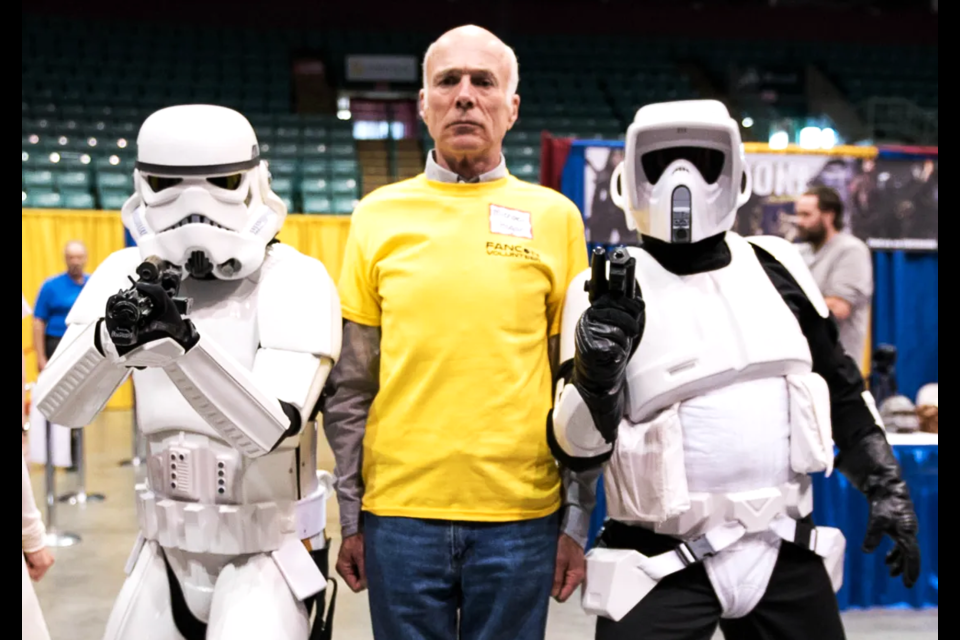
(684, 174)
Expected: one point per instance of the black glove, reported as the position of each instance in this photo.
(161, 320)
(873, 469)
(606, 337)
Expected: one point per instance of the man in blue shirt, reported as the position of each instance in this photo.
(56, 298)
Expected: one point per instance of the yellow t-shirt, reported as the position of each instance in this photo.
(466, 282)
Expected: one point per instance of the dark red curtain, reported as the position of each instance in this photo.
(553, 156)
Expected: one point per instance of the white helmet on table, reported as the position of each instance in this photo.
(203, 199)
(684, 174)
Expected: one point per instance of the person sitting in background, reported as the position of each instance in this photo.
(36, 559)
(927, 409)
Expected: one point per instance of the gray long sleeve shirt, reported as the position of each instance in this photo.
(353, 384)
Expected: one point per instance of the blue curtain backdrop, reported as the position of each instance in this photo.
(906, 313)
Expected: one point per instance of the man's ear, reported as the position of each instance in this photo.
(423, 104)
(514, 109)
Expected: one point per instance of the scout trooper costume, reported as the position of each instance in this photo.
(233, 510)
(709, 398)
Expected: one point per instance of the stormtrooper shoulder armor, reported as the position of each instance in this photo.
(79, 380)
(787, 254)
(112, 276)
(299, 307)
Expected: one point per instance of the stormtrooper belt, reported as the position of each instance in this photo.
(229, 530)
(619, 579)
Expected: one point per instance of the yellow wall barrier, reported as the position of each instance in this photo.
(45, 232)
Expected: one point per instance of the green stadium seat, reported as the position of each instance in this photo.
(315, 167)
(341, 136)
(288, 201)
(317, 204)
(342, 150)
(77, 200)
(282, 167)
(282, 185)
(43, 200)
(344, 205)
(288, 134)
(38, 179)
(344, 187)
(344, 167)
(313, 185)
(285, 150)
(312, 149)
(527, 171)
(112, 200)
(73, 180)
(316, 135)
(114, 180)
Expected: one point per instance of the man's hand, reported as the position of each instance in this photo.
(41, 363)
(894, 516)
(38, 563)
(839, 308)
(571, 568)
(350, 563)
(605, 338)
(163, 320)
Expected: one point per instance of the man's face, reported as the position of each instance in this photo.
(465, 106)
(811, 222)
(76, 258)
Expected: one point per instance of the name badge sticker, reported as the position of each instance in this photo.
(510, 222)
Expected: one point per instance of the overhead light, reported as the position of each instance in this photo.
(122, 143)
(34, 138)
(747, 123)
(92, 142)
(23, 196)
(114, 160)
(62, 140)
(780, 140)
(54, 158)
(828, 139)
(85, 159)
(810, 138)
(344, 114)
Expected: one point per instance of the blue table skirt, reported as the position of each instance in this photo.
(867, 583)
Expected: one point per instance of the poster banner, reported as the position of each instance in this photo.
(889, 203)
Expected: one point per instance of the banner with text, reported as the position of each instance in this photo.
(889, 203)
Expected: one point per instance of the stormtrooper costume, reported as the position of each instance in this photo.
(233, 511)
(708, 398)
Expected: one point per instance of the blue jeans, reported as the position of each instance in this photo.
(437, 580)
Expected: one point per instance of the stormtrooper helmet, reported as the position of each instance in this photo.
(684, 174)
(203, 199)
(899, 415)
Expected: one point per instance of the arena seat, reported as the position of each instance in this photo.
(87, 86)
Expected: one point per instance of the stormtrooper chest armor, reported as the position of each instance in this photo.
(708, 331)
(223, 310)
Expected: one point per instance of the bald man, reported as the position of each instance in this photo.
(56, 298)
(454, 514)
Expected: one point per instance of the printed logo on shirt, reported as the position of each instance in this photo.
(512, 251)
(510, 222)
